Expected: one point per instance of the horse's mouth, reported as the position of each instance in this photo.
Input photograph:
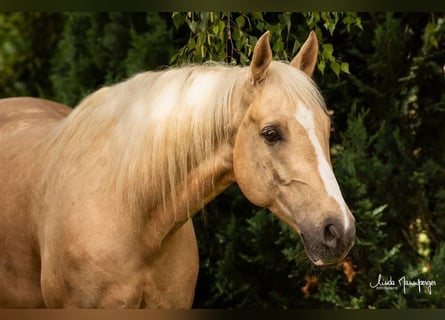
(323, 263)
(321, 256)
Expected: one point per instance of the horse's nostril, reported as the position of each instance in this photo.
(330, 235)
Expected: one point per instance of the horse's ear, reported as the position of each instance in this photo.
(306, 59)
(262, 56)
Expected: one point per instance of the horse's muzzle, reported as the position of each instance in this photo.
(328, 244)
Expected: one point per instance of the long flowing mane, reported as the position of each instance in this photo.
(152, 128)
(156, 127)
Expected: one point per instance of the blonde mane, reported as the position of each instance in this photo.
(144, 136)
(150, 130)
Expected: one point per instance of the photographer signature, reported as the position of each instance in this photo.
(404, 283)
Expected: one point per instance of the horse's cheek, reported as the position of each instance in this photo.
(248, 173)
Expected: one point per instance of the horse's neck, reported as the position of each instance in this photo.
(204, 183)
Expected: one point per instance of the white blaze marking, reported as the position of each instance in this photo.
(305, 117)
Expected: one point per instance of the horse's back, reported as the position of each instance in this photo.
(16, 110)
(24, 122)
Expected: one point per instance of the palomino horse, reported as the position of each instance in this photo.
(95, 205)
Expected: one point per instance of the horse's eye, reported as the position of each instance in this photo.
(271, 134)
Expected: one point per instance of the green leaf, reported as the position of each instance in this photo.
(222, 26)
(434, 42)
(321, 66)
(174, 58)
(215, 30)
(286, 20)
(240, 21)
(430, 28)
(296, 46)
(258, 16)
(377, 211)
(193, 25)
(178, 19)
(278, 45)
(335, 66)
(330, 21)
(328, 50)
(344, 67)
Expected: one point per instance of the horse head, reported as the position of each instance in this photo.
(281, 153)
